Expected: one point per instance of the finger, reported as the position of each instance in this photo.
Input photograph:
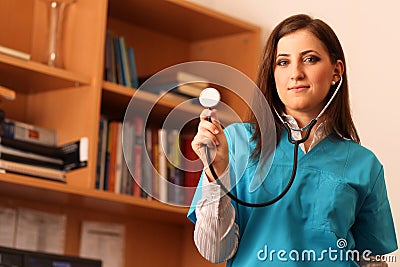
(205, 138)
(208, 126)
(215, 120)
(208, 135)
(205, 114)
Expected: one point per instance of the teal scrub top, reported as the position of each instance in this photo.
(336, 205)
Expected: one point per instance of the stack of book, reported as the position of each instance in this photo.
(120, 64)
(177, 86)
(32, 150)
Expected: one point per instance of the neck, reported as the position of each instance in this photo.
(302, 119)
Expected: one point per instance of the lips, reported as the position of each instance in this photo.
(299, 88)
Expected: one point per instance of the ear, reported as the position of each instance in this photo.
(338, 71)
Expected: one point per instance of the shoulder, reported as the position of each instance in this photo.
(238, 136)
(239, 131)
(360, 162)
(361, 154)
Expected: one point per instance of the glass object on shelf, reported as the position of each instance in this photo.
(54, 49)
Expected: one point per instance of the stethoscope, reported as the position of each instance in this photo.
(210, 97)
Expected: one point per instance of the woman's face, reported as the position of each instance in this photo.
(304, 73)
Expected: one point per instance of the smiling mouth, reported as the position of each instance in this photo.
(299, 88)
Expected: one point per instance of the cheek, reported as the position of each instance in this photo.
(323, 82)
(280, 82)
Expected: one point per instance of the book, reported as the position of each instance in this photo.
(118, 160)
(28, 132)
(118, 62)
(155, 161)
(20, 156)
(181, 82)
(105, 241)
(147, 184)
(176, 178)
(137, 156)
(125, 62)
(132, 67)
(32, 170)
(178, 97)
(40, 231)
(101, 153)
(14, 53)
(193, 169)
(109, 61)
(70, 156)
(162, 165)
(112, 155)
(8, 220)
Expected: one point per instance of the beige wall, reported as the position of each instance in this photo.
(370, 35)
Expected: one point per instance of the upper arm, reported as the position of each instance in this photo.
(373, 229)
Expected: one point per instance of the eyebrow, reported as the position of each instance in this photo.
(305, 52)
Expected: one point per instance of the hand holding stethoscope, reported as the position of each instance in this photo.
(210, 134)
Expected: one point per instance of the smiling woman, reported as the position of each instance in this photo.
(304, 74)
(339, 192)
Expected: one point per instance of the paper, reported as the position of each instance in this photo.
(40, 231)
(105, 241)
(8, 218)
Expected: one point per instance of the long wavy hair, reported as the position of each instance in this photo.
(339, 121)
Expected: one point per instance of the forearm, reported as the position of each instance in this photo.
(216, 233)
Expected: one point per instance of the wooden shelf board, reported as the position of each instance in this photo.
(36, 189)
(185, 20)
(36, 76)
(115, 95)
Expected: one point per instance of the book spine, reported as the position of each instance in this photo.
(112, 150)
(119, 159)
(125, 62)
(163, 168)
(14, 53)
(31, 161)
(138, 151)
(132, 67)
(155, 160)
(147, 164)
(32, 170)
(118, 62)
(192, 170)
(28, 132)
(101, 155)
(71, 156)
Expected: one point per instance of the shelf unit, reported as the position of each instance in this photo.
(70, 100)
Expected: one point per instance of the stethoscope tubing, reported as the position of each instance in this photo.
(296, 143)
(288, 186)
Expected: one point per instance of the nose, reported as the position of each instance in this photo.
(297, 72)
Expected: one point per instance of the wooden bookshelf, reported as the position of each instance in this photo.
(71, 100)
(60, 194)
(37, 76)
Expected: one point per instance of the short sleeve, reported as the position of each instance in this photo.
(373, 228)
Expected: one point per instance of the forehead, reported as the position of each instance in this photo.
(299, 41)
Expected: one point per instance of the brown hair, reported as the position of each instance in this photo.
(340, 122)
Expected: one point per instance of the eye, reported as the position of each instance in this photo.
(311, 59)
(282, 62)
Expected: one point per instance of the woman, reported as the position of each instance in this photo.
(336, 213)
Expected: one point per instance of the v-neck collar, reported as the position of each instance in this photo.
(288, 147)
